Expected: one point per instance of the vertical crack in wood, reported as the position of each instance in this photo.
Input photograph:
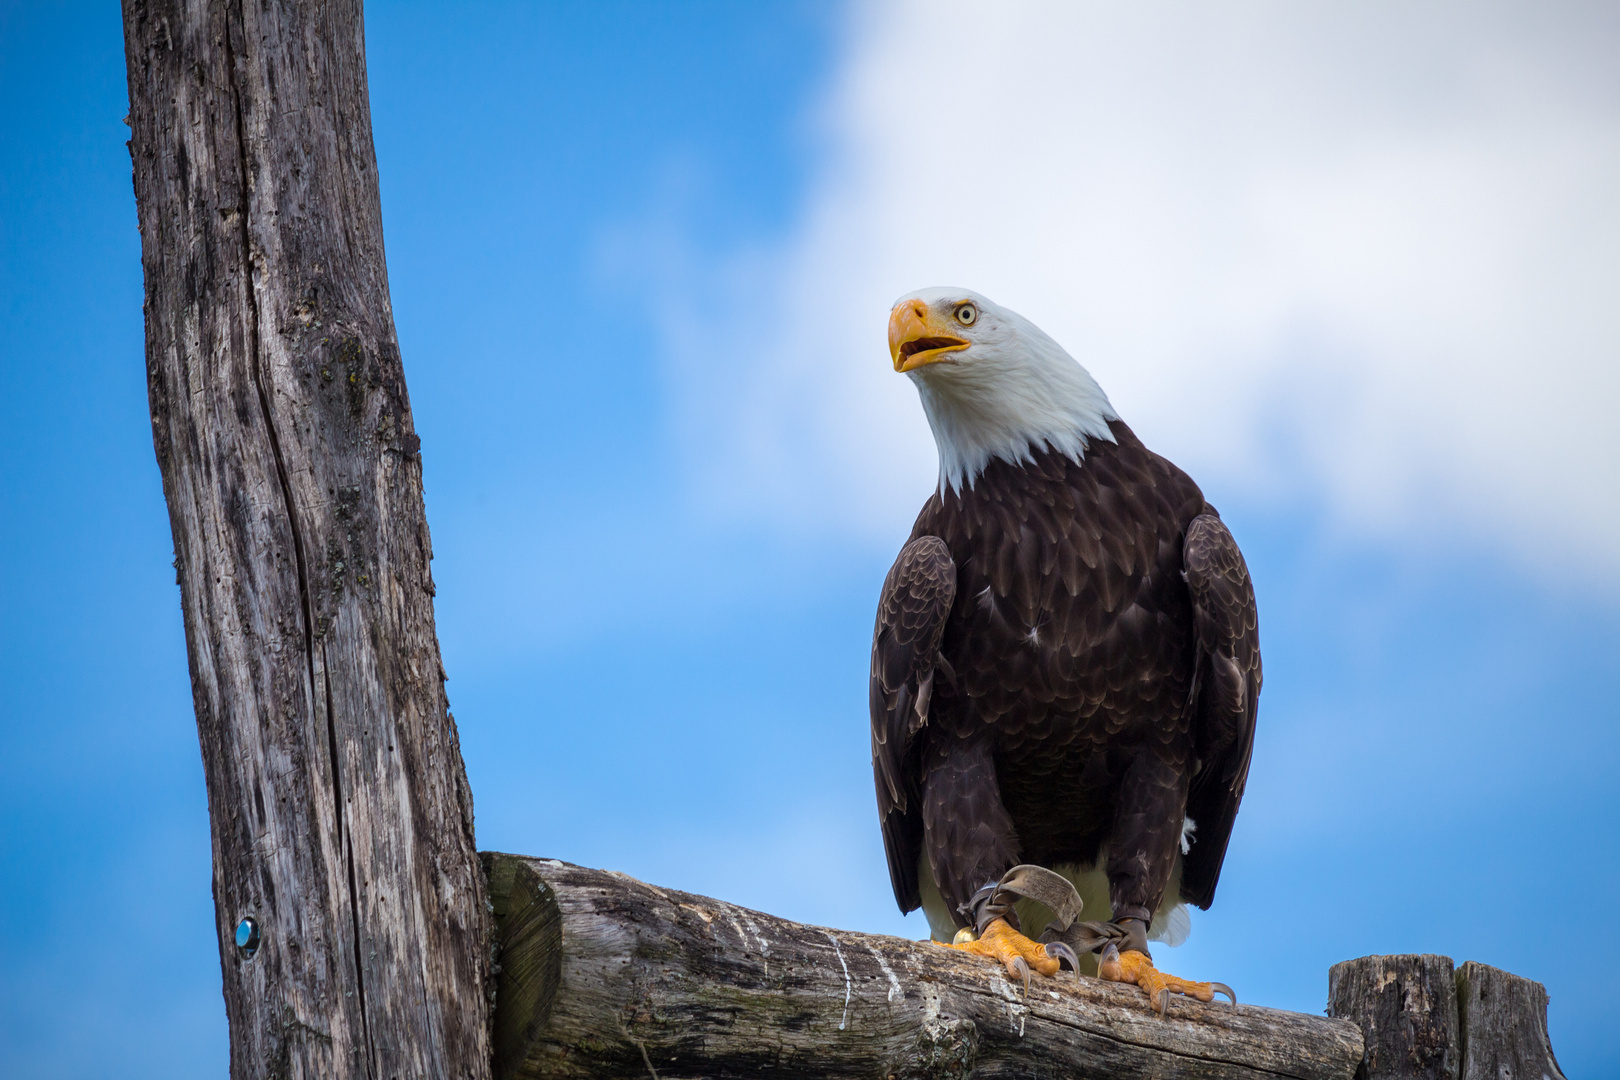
(348, 856)
(255, 340)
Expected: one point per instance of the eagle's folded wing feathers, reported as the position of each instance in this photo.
(1227, 692)
(917, 598)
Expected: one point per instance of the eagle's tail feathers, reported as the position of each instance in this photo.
(1171, 927)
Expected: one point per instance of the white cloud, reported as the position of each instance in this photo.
(1367, 254)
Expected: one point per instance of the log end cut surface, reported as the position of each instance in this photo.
(603, 975)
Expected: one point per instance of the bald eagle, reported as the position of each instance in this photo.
(1066, 662)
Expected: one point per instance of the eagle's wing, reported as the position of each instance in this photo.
(916, 601)
(1226, 691)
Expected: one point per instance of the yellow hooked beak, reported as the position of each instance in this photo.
(918, 336)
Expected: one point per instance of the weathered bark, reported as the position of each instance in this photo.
(341, 817)
(1407, 1009)
(1504, 1026)
(603, 976)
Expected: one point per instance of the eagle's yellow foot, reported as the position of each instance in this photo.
(1017, 953)
(1136, 967)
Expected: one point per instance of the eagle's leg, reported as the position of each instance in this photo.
(970, 849)
(1141, 855)
(1133, 966)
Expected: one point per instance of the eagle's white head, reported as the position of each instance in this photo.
(992, 383)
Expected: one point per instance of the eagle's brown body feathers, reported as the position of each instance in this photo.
(1066, 660)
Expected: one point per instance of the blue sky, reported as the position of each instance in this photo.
(640, 257)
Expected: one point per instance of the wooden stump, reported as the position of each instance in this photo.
(1407, 1009)
(1504, 1026)
(1422, 1020)
(601, 975)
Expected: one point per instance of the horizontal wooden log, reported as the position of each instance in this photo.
(601, 975)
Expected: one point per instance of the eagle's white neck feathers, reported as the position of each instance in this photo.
(1013, 392)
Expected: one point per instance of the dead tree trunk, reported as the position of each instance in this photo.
(341, 816)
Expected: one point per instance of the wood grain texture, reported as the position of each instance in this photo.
(655, 982)
(1504, 1026)
(341, 817)
(1407, 1009)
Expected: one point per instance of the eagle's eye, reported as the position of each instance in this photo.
(967, 314)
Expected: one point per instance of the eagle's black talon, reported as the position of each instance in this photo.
(1017, 967)
(1164, 1002)
(1057, 950)
(1222, 988)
